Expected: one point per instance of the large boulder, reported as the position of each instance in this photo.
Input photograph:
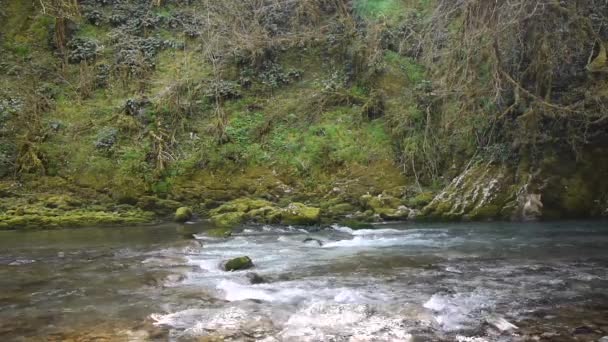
(340, 210)
(267, 214)
(237, 264)
(183, 214)
(300, 214)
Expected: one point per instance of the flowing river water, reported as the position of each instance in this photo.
(400, 282)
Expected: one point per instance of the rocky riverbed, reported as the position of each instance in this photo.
(401, 282)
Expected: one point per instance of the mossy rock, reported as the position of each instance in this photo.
(300, 214)
(341, 209)
(242, 205)
(159, 206)
(219, 232)
(228, 220)
(183, 214)
(237, 264)
(265, 215)
(29, 218)
(379, 203)
(485, 213)
(391, 214)
(421, 200)
(63, 202)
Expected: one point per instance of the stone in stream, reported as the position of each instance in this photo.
(501, 323)
(603, 339)
(237, 264)
(317, 241)
(183, 214)
(255, 278)
(583, 330)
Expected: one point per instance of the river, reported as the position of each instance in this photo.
(399, 282)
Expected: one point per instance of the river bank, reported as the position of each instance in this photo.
(358, 196)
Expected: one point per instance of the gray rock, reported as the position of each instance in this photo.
(313, 240)
(255, 278)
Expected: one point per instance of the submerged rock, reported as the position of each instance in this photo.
(255, 278)
(183, 214)
(313, 240)
(237, 264)
(583, 330)
(501, 323)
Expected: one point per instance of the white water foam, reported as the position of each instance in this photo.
(460, 310)
(324, 321)
(377, 241)
(234, 291)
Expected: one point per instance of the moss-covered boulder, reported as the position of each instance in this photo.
(385, 207)
(159, 206)
(237, 264)
(228, 220)
(340, 210)
(267, 214)
(37, 218)
(242, 205)
(420, 200)
(223, 232)
(300, 214)
(183, 214)
(380, 202)
(389, 214)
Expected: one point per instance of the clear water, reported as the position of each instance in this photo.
(403, 282)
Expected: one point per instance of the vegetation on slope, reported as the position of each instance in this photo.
(150, 105)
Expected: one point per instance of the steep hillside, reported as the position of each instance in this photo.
(123, 111)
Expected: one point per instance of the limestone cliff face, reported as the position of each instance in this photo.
(559, 188)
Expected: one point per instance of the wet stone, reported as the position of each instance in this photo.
(255, 278)
(582, 330)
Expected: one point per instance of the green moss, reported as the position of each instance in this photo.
(228, 220)
(265, 215)
(340, 209)
(420, 200)
(577, 198)
(29, 219)
(300, 214)
(183, 214)
(380, 203)
(219, 232)
(485, 213)
(237, 264)
(242, 205)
